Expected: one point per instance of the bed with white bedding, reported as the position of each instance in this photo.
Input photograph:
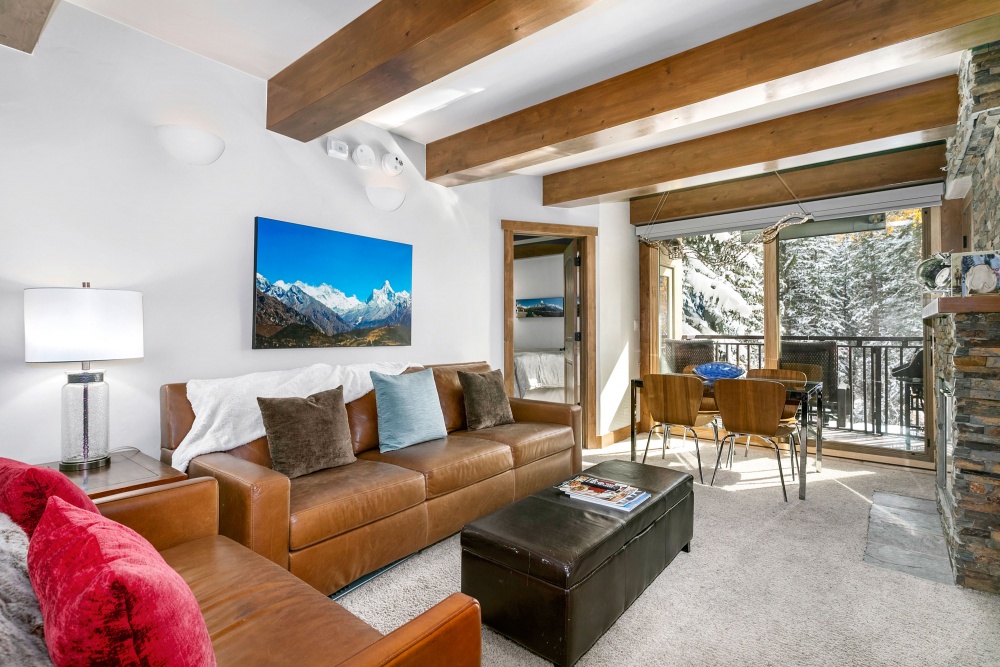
(540, 375)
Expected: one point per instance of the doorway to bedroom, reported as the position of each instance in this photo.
(550, 316)
(546, 318)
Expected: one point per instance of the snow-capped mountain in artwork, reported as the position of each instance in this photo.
(332, 311)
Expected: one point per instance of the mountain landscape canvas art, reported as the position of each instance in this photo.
(548, 307)
(321, 288)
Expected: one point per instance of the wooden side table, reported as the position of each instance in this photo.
(128, 471)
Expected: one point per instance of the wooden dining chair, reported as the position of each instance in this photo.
(675, 400)
(754, 407)
(707, 402)
(786, 377)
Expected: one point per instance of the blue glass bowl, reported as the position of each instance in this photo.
(718, 370)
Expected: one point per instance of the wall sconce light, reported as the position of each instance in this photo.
(190, 145)
(385, 199)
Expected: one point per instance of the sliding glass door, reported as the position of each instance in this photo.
(849, 311)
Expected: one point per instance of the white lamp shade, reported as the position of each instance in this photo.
(81, 324)
(191, 145)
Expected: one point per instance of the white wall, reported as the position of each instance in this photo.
(617, 315)
(537, 278)
(87, 193)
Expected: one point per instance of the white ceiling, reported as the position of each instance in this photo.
(259, 37)
(262, 37)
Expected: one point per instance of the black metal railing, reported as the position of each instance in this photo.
(860, 394)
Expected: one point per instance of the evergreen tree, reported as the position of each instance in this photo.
(858, 284)
(722, 299)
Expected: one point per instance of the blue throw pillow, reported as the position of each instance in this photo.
(409, 411)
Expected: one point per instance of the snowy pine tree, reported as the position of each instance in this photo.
(722, 300)
(858, 284)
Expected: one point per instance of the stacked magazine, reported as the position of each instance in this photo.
(604, 492)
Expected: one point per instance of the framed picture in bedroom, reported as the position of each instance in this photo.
(547, 307)
(317, 287)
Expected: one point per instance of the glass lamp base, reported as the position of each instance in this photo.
(85, 421)
(67, 466)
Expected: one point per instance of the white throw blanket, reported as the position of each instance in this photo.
(539, 369)
(226, 414)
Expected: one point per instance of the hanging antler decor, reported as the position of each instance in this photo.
(733, 251)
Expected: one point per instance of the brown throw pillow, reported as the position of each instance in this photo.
(307, 434)
(486, 402)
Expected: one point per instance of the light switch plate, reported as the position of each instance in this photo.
(338, 149)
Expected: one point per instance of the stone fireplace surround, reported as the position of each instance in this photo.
(967, 357)
(967, 344)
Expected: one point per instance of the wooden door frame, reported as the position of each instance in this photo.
(587, 236)
(649, 344)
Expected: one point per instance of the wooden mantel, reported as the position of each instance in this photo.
(945, 305)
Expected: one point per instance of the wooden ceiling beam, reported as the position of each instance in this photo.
(916, 166)
(824, 44)
(394, 48)
(906, 116)
(21, 22)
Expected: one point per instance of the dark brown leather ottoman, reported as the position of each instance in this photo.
(554, 573)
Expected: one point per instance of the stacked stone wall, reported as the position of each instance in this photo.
(974, 527)
(986, 201)
(973, 151)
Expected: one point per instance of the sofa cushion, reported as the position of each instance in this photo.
(528, 441)
(450, 391)
(450, 463)
(307, 434)
(107, 596)
(408, 409)
(258, 613)
(486, 402)
(362, 415)
(25, 489)
(330, 502)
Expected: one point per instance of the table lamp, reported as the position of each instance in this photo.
(85, 325)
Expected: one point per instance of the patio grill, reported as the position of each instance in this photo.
(910, 375)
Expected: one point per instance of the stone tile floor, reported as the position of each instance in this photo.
(905, 534)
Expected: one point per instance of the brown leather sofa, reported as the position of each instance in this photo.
(333, 526)
(259, 614)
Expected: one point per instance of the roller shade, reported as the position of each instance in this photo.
(918, 196)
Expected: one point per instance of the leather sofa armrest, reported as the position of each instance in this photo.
(167, 515)
(449, 633)
(253, 503)
(527, 410)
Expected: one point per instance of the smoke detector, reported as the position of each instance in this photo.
(364, 156)
(392, 164)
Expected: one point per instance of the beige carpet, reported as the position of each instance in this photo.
(766, 583)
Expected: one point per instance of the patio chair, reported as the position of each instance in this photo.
(675, 400)
(754, 407)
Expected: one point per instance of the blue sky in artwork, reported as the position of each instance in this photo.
(353, 264)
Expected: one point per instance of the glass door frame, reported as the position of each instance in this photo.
(650, 261)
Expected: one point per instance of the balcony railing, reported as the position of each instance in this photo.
(860, 394)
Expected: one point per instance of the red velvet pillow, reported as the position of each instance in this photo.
(24, 490)
(107, 596)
